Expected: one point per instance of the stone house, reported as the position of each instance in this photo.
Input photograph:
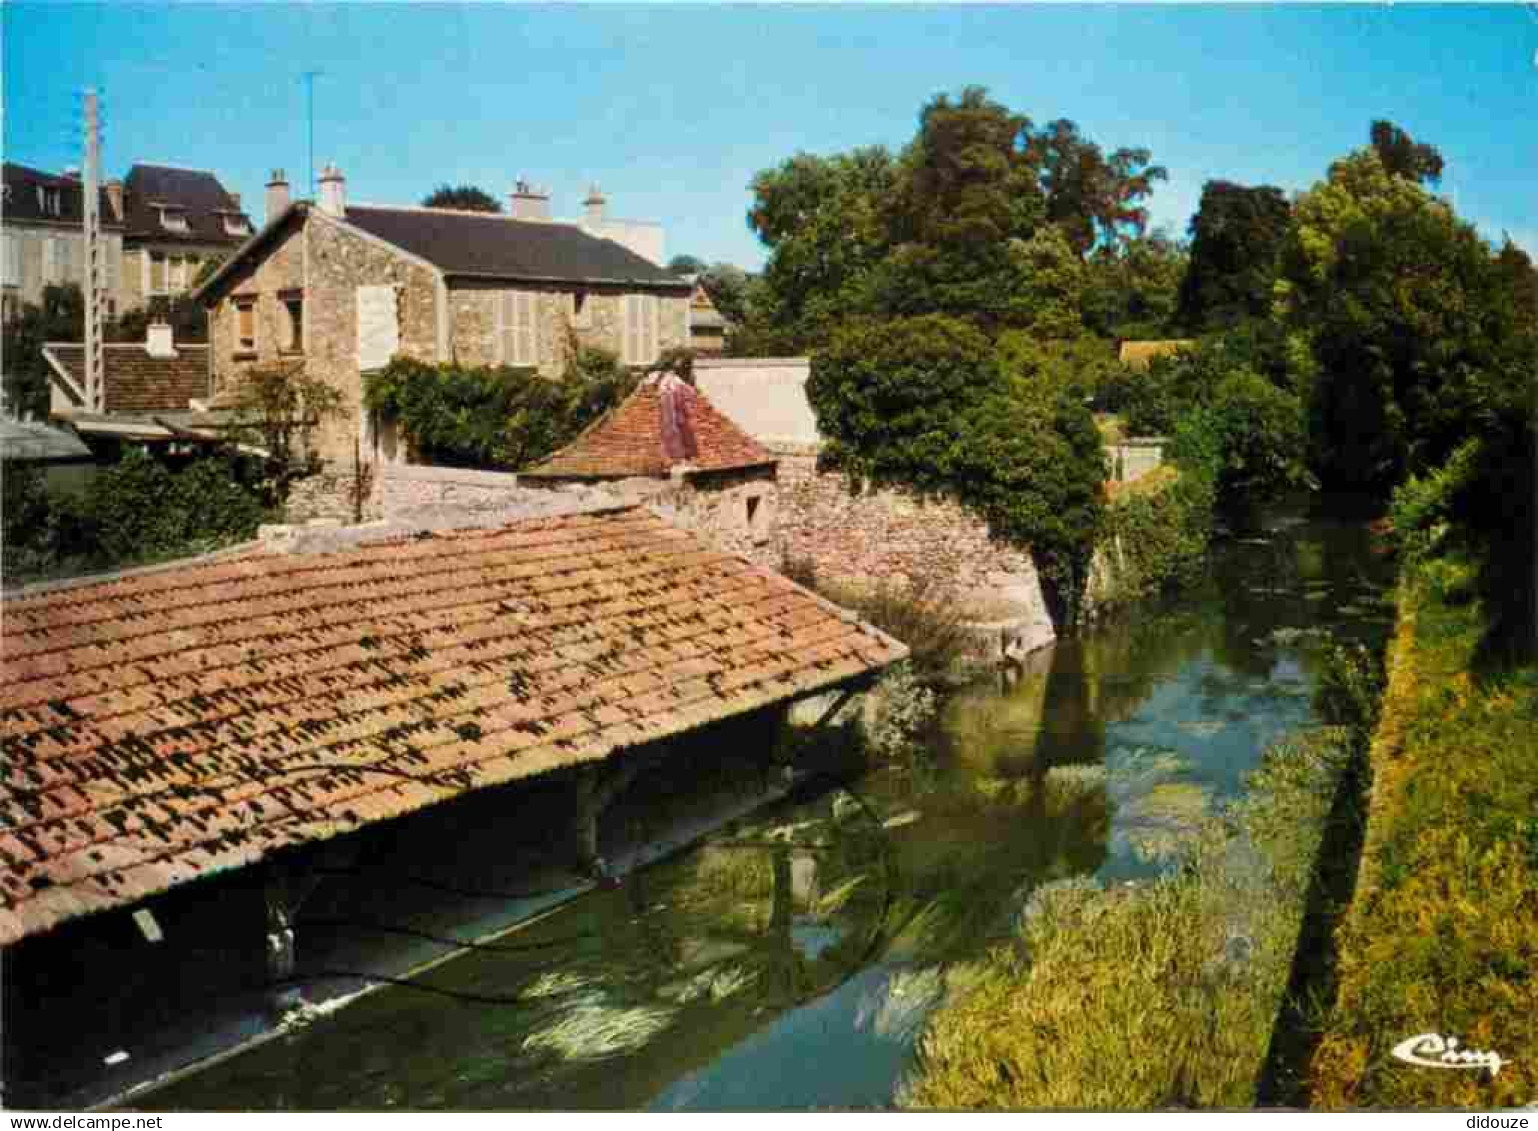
(668, 446)
(44, 238)
(342, 288)
(174, 221)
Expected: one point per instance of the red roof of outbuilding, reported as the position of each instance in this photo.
(665, 423)
(161, 726)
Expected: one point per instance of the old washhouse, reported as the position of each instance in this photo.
(186, 735)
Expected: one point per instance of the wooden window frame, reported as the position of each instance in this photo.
(245, 346)
(289, 300)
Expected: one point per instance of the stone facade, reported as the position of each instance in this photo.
(869, 537)
(325, 263)
(600, 323)
(735, 511)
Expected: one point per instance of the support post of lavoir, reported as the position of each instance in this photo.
(597, 787)
(285, 885)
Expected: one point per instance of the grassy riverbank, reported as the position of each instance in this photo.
(1154, 996)
(1442, 935)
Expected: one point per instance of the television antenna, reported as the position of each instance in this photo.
(309, 88)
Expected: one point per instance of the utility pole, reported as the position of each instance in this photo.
(95, 258)
(309, 86)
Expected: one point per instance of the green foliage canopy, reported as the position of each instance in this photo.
(464, 198)
(1235, 237)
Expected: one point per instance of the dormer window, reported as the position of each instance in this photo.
(174, 220)
(48, 200)
(236, 225)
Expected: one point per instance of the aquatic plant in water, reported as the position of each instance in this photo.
(898, 1008)
(554, 983)
(1162, 823)
(591, 1030)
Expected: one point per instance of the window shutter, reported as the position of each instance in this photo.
(526, 342)
(651, 328)
(635, 343)
(50, 252)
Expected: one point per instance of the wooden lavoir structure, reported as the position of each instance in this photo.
(172, 723)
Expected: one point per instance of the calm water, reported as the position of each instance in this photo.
(790, 960)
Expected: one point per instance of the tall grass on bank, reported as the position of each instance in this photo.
(1442, 935)
(924, 613)
(1158, 996)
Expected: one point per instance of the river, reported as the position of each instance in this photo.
(789, 960)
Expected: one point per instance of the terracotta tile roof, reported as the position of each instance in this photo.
(636, 439)
(1140, 355)
(137, 382)
(161, 726)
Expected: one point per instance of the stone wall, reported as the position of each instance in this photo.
(869, 537)
(599, 323)
(327, 263)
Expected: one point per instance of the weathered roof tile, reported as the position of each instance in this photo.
(161, 726)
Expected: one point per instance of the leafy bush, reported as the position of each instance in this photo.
(1248, 435)
(921, 402)
(500, 417)
(901, 711)
(1155, 536)
(137, 510)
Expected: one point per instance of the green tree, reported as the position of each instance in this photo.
(60, 317)
(1131, 287)
(1402, 156)
(686, 265)
(1235, 237)
(1406, 317)
(1092, 197)
(822, 221)
(464, 198)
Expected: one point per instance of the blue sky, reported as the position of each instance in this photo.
(672, 109)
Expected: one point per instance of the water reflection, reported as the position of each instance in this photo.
(790, 961)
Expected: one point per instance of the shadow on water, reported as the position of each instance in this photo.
(789, 961)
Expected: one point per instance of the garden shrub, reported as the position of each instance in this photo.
(135, 511)
(499, 417)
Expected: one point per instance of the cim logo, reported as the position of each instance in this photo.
(1431, 1050)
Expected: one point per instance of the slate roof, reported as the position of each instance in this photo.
(23, 204)
(197, 191)
(1140, 355)
(636, 438)
(492, 246)
(135, 381)
(164, 725)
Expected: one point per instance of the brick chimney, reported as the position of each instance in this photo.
(159, 340)
(594, 207)
(528, 202)
(114, 191)
(333, 191)
(277, 195)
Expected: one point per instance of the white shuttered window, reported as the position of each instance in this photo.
(517, 339)
(640, 329)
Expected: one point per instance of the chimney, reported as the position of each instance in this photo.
(277, 195)
(333, 191)
(593, 217)
(528, 202)
(114, 190)
(158, 341)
